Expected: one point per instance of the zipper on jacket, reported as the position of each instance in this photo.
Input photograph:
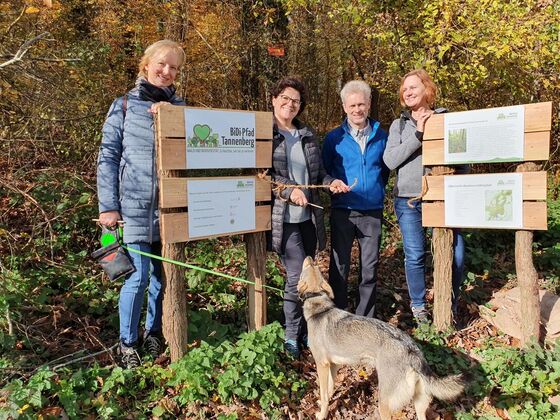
(364, 171)
(152, 201)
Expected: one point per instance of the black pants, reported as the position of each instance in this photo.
(366, 227)
(299, 240)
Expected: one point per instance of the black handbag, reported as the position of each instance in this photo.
(113, 258)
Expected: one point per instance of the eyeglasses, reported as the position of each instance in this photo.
(286, 98)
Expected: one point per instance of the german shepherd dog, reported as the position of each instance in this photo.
(338, 338)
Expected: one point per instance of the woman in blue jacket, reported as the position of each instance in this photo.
(128, 191)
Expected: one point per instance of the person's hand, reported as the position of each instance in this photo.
(155, 107)
(298, 197)
(421, 120)
(109, 218)
(337, 186)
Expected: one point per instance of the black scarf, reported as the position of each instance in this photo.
(149, 92)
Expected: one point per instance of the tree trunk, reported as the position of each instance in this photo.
(174, 301)
(255, 244)
(527, 277)
(442, 239)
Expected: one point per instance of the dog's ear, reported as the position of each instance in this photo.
(324, 285)
(327, 288)
(302, 287)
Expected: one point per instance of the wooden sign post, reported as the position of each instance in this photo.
(220, 203)
(536, 144)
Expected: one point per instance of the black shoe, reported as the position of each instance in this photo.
(153, 345)
(291, 348)
(130, 358)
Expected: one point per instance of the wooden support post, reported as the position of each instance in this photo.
(442, 240)
(255, 244)
(527, 277)
(174, 301)
(174, 322)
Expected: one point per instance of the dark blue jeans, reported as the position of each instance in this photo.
(414, 244)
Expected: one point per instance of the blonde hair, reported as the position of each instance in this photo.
(156, 47)
(431, 88)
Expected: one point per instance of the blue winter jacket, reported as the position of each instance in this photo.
(126, 173)
(343, 159)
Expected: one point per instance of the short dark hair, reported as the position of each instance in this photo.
(293, 82)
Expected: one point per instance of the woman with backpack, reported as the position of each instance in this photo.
(128, 191)
(403, 153)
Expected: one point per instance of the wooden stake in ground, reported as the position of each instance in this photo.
(174, 323)
(442, 240)
(255, 244)
(527, 277)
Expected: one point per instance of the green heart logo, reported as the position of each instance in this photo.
(201, 131)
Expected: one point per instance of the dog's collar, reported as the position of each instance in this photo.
(309, 295)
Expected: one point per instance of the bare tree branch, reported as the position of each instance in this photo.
(54, 60)
(17, 19)
(23, 49)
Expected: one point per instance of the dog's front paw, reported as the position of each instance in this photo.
(322, 415)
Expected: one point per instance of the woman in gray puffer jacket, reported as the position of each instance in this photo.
(404, 154)
(127, 189)
(297, 229)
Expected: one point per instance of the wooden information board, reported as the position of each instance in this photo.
(174, 176)
(172, 156)
(538, 123)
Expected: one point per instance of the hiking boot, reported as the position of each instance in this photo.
(130, 358)
(420, 315)
(153, 345)
(291, 348)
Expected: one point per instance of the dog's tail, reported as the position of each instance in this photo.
(447, 388)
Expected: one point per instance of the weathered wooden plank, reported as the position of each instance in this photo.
(536, 147)
(171, 119)
(174, 227)
(534, 186)
(538, 117)
(173, 192)
(534, 215)
(172, 154)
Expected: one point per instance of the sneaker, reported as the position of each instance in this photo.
(420, 315)
(291, 348)
(153, 345)
(130, 358)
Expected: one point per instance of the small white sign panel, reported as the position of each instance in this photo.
(220, 139)
(490, 200)
(220, 206)
(486, 135)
